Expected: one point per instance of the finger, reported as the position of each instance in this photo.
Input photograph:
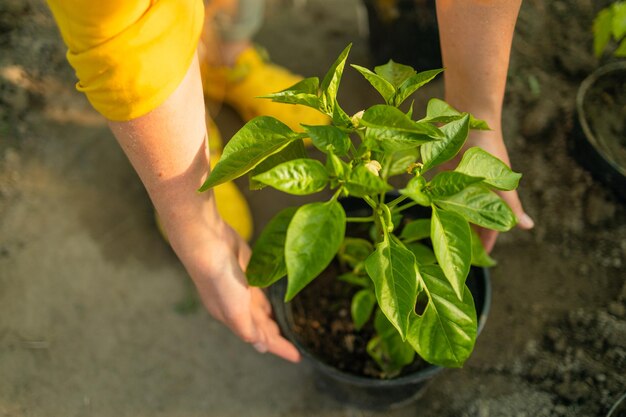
(524, 221)
(242, 323)
(259, 299)
(260, 347)
(244, 255)
(261, 344)
(488, 238)
(279, 346)
(274, 342)
(253, 328)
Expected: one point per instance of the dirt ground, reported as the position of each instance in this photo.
(98, 318)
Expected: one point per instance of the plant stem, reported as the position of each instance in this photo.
(369, 201)
(397, 201)
(360, 219)
(406, 206)
(336, 195)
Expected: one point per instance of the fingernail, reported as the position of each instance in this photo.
(525, 222)
(260, 347)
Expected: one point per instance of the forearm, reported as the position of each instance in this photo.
(476, 38)
(167, 147)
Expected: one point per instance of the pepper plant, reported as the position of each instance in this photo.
(610, 23)
(426, 259)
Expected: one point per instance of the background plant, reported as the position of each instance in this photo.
(397, 266)
(610, 24)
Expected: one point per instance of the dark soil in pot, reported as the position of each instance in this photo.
(322, 324)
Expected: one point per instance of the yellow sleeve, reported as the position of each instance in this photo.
(129, 56)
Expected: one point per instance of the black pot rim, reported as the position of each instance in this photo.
(619, 66)
(418, 376)
(620, 401)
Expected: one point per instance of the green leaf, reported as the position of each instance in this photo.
(295, 150)
(267, 263)
(445, 333)
(409, 112)
(480, 257)
(452, 244)
(324, 136)
(388, 349)
(336, 167)
(299, 177)
(313, 238)
(354, 279)
(411, 84)
(394, 73)
(363, 182)
(340, 117)
(362, 306)
(394, 130)
(619, 20)
(258, 139)
(438, 111)
(384, 87)
(388, 117)
(479, 163)
(401, 160)
(481, 206)
(394, 273)
(304, 92)
(621, 49)
(602, 27)
(415, 191)
(416, 230)
(447, 183)
(354, 251)
(478, 124)
(441, 112)
(330, 84)
(436, 153)
(423, 254)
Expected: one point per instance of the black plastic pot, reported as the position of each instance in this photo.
(362, 391)
(405, 31)
(595, 146)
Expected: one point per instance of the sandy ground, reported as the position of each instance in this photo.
(98, 318)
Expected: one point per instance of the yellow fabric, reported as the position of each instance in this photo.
(129, 55)
(253, 76)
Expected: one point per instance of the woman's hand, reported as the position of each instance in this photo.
(217, 267)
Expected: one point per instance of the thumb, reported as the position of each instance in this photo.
(524, 221)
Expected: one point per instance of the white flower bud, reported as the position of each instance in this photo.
(373, 166)
(356, 118)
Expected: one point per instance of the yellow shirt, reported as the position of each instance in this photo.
(129, 55)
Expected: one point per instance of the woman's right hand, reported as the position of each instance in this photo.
(216, 265)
